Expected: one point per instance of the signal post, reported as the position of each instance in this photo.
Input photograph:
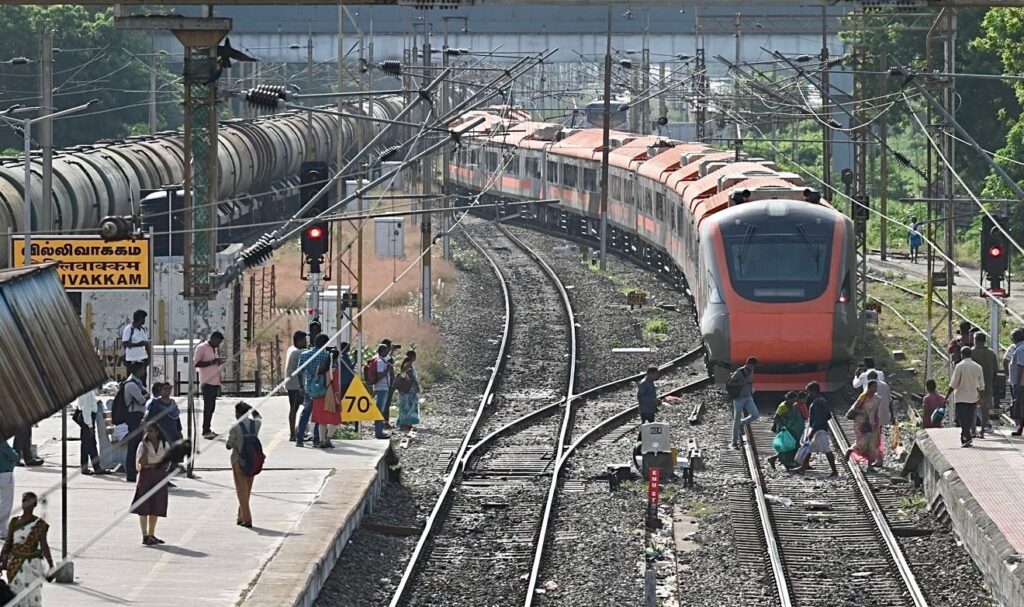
(315, 239)
(995, 261)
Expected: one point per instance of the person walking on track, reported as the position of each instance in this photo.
(741, 390)
(789, 428)
(817, 438)
(966, 386)
(208, 362)
(867, 427)
(984, 356)
(294, 382)
(153, 456)
(647, 396)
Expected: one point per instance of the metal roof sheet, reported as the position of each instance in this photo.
(48, 360)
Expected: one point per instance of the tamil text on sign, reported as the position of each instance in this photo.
(90, 263)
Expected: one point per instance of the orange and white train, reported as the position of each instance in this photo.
(769, 263)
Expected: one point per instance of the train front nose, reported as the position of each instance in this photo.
(781, 339)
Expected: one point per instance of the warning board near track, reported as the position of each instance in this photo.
(358, 404)
(87, 263)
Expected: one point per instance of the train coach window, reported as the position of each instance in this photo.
(570, 175)
(659, 206)
(552, 171)
(532, 168)
(492, 161)
(590, 180)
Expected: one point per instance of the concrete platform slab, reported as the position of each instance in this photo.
(982, 490)
(305, 504)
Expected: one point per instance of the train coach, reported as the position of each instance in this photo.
(769, 263)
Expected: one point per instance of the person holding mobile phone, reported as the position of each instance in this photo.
(208, 362)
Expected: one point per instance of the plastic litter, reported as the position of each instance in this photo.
(550, 585)
(774, 499)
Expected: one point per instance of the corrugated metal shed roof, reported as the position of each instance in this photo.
(48, 360)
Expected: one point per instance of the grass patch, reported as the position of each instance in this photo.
(655, 330)
(914, 503)
(702, 510)
(464, 260)
(345, 433)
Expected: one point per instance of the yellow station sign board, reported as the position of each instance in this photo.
(88, 263)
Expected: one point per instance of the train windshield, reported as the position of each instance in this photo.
(778, 263)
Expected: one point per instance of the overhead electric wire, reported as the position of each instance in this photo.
(168, 478)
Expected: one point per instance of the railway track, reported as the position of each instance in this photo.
(479, 541)
(833, 545)
(573, 515)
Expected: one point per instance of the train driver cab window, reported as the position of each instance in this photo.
(552, 171)
(779, 259)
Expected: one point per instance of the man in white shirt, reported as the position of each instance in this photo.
(860, 376)
(966, 386)
(135, 340)
(295, 380)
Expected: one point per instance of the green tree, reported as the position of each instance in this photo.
(95, 61)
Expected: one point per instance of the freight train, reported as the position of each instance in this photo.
(769, 263)
(258, 166)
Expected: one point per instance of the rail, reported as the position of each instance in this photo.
(882, 525)
(459, 459)
(767, 526)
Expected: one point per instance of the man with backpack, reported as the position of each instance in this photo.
(130, 408)
(313, 385)
(378, 373)
(741, 390)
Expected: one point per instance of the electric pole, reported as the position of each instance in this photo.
(605, 141)
(826, 107)
(152, 88)
(425, 226)
(46, 130)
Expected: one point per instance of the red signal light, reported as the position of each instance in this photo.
(995, 251)
(315, 232)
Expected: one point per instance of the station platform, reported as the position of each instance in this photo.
(306, 504)
(982, 491)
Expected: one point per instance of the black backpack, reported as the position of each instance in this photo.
(252, 450)
(119, 408)
(733, 390)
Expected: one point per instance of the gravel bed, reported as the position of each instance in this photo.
(373, 563)
(604, 317)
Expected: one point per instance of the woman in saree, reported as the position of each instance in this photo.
(867, 428)
(23, 553)
(787, 419)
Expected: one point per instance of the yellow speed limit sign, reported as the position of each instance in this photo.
(358, 405)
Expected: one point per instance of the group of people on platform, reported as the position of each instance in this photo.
(319, 377)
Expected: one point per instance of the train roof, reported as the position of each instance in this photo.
(586, 143)
(661, 166)
(761, 188)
